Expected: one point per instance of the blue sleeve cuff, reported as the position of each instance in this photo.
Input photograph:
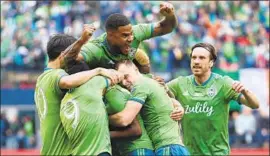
(238, 99)
(137, 100)
(58, 87)
(107, 82)
(84, 56)
(152, 29)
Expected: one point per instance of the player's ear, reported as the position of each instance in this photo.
(211, 63)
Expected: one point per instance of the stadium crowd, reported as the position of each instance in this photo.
(238, 29)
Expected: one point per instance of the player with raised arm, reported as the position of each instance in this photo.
(50, 88)
(121, 40)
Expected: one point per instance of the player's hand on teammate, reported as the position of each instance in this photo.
(88, 30)
(178, 111)
(159, 79)
(166, 9)
(177, 114)
(238, 87)
(112, 74)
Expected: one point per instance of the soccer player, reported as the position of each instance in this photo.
(150, 99)
(84, 118)
(50, 90)
(205, 97)
(121, 40)
(116, 98)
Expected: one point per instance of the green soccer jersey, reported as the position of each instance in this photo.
(96, 52)
(85, 119)
(155, 112)
(116, 98)
(48, 97)
(205, 123)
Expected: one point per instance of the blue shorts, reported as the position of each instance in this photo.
(141, 152)
(104, 154)
(172, 150)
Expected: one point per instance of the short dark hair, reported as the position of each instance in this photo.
(116, 20)
(208, 47)
(74, 66)
(57, 44)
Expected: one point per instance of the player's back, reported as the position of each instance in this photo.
(84, 118)
(116, 98)
(156, 113)
(48, 97)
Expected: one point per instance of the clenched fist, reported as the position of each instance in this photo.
(88, 30)
(166, 9)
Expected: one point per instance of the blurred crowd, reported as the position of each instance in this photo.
(249, 128)
(18, 132)
(238, 29)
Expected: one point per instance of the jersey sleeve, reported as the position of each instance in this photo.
(61, 73)
(229, 93)
(91, 54)
(115, 100)
(139, 94)
(143, 31)
(173, 86)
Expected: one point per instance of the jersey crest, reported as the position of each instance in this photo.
(212, 91)
(132, 52)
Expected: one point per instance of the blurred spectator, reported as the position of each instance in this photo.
(245, 126)
(18, 132)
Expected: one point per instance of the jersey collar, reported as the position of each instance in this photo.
(203, 84)
(47, 68)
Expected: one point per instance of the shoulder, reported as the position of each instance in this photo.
(224, 80)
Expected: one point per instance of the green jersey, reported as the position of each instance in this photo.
(155, 112)
(85, 119)
(48, 97)
(96, 52)
(116, 99)
(205, 123)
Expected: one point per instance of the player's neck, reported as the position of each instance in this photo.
(54, 64)
(112, 49)
(202, 78)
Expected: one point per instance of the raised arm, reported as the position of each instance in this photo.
(249, 99)
(72, 52)
(133, 130)
(125, 117)
(169, 22)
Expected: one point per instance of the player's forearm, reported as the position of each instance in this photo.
(134, 130)
(78, 79)
(119, 120)
(144, 69)
(73, 50)
(168, 24)
(250, 99)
